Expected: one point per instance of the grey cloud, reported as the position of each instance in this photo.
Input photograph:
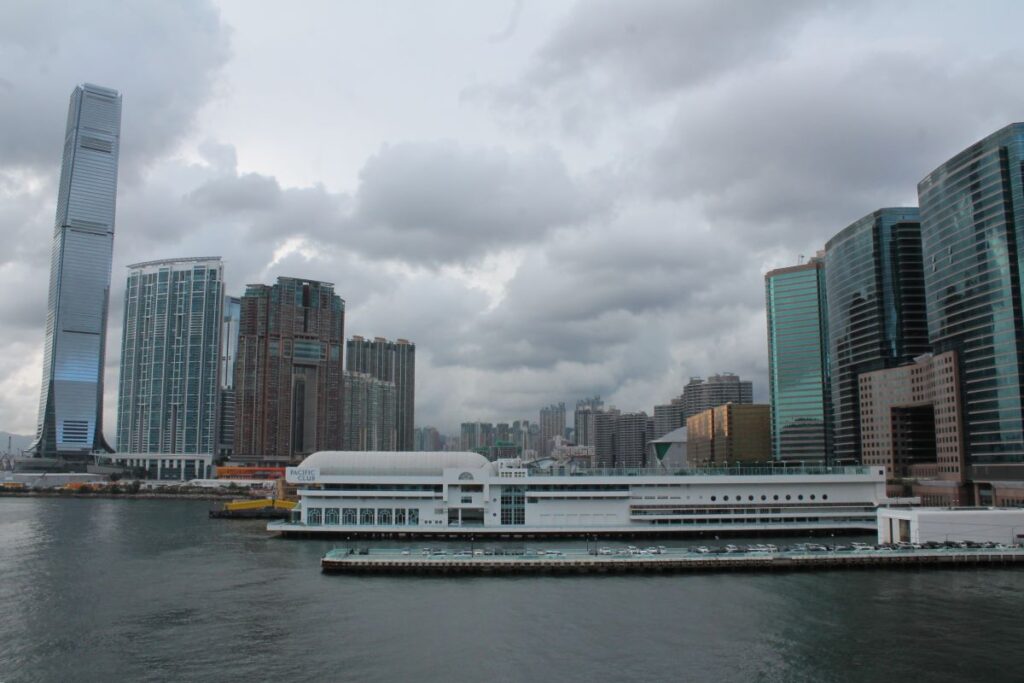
(657, 45)
(163, 57)
(808, 148)
(441, 202)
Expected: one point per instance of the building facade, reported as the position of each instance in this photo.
(169, 394)
(911, 419)
(798, 370)
(70, 421)
(395, 362)
(288, 374)
(876, 310)
(621, 438)
(729, 434)
(972, 234)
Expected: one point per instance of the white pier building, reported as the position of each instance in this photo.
(377, 494)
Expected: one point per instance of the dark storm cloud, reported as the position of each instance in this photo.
(161, 56)
(444, 202)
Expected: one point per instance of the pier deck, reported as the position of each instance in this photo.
(345, 561)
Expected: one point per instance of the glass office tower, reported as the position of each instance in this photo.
(798, 370)
(876, 310)
(972, 233)
(71, 400)
(170, 357)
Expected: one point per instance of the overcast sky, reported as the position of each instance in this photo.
(552, 199)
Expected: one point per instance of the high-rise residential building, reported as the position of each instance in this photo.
(876, 310)
(477, 435)
(911, 419)
(288, 374)
(668, 417)
(621, 438)
(972, 233)
(583, 420)
(552, 424)
(428, 439)
(729, 434)
(716, 390)
(502, 432)
(798, 369)
(170, 357)
(370, 413)
(229, 352)
(71, 399)
(390, 362)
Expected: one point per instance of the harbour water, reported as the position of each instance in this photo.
(154, 590)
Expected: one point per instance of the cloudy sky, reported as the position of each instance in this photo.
(552, 199)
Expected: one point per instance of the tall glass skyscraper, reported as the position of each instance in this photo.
(972, 233)
(71, 401)
(876, 310)
(798, 369)
(170, 357)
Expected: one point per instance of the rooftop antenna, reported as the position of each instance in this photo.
(800, 259)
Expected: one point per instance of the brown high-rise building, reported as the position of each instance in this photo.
(390, 362)
(729, 434)
(288, 372)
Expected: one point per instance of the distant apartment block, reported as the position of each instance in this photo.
(389, 361)
(911, 419)
(700, 394)
(170, 355)
(552, 424)
(621, 438)
(583, 420)
(669, 417)
(729, 434)
(370, 413)
(288, 374)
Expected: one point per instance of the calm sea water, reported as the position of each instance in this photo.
(153, 590)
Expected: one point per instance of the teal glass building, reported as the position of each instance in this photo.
(170, 356)
(798, 370)
(972, 233)
(876, 310)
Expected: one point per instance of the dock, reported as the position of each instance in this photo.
(576, 561)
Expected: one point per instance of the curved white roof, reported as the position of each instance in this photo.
(425, 463)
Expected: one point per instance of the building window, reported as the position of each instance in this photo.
(348, 516)
(467, 499)
(400, 517)
(366, 516)
(384, 517)
(314, 517)
(414, 517)
(331, 516)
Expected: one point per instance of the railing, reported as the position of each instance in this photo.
(699, 472)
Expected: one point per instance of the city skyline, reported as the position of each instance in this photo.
(617, 276)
